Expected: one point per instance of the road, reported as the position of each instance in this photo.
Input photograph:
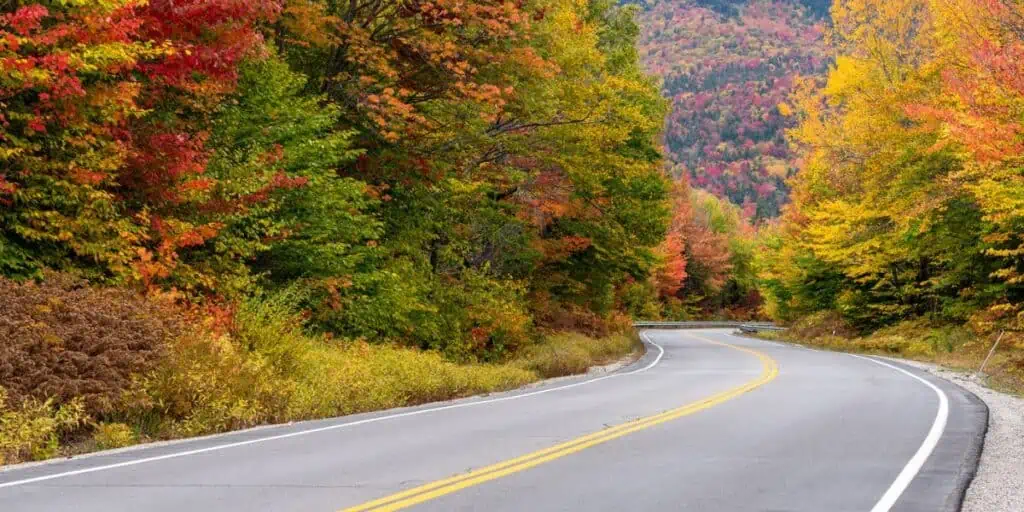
(705, 421)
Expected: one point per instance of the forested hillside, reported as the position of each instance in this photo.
(909, 203)
(406, 164)
(217, 213)
(728, 68)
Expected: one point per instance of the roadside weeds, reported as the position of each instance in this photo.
(339, 382)
(954, 348)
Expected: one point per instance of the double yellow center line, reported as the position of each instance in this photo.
(440, 488)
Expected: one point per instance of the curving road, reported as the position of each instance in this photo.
(705, 421)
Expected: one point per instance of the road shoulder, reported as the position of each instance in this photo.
(963, 444)
(996, 486)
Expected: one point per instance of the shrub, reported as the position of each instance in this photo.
(113, 435)
(268, 370)
(265, 368)
(32, 429)
(61, 339)
(208, 383)
(575, 318)
(330, 378)
(640, 300)
(362, 377)
(821, 324)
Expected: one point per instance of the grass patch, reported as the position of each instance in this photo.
(952, 346)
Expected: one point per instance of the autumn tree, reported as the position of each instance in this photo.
(509, 142)
(901, 161)
(106, 110)
(980, 46)
(443, 173)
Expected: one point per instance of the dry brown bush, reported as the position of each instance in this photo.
(62, 339)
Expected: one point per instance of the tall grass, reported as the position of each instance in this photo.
(334, 378)
(268, 370)
(572, 353)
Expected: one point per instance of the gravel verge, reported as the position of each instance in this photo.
(998, 485)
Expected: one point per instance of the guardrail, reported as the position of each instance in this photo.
(752, 328)
(748, 327)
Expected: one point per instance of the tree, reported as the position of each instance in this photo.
(889, 193)
(105, 110)
(439, 173)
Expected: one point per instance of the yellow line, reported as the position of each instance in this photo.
(449, 485)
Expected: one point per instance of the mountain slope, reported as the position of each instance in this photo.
(727, 67)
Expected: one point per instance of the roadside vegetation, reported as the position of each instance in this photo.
(950, 345)
(117, 369)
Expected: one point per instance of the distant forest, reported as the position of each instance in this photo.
(728, 73)
(731, 7)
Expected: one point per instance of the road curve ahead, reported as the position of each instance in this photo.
(706, 421)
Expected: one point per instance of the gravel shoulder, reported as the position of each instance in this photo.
(998, 485)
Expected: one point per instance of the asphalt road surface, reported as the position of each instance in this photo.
(705, 421)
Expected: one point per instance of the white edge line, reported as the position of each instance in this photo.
(657, 359)
(930, 442)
